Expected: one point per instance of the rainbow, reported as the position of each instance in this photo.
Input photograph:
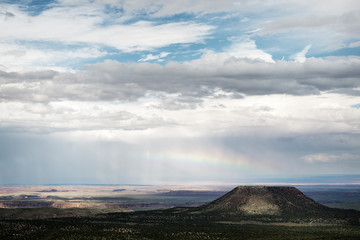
(210, 158)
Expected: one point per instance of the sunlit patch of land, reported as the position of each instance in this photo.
(107, 196)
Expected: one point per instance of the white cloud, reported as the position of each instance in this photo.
(97, 27)
(247, 49)
(167, 115)
(160, 8)
(57, 24)
(301, 56)
(21, 55)
(150, 57)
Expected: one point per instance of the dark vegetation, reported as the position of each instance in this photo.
(86, 229)
(50, 190)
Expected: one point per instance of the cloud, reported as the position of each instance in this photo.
(247, 49)
(163, 8)
(159, 114)
(301, 56)
(57, 24)
(112, 80)
(17, 56)
(107, 100)
(329, 26)
(105, 27)
(314, 18)
(7, 14)
(354, 44)
(157, 58)
(326, 158)
(175, 102)
(230, 74)
(221, 102)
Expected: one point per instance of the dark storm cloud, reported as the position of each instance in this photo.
(111, 80)
(351, 92)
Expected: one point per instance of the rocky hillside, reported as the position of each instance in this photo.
(261, 200)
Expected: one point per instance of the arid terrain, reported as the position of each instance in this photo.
(255, 212)
(131, 197)
(126, 197)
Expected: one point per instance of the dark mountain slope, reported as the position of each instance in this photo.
(273, 204)
(259, 200)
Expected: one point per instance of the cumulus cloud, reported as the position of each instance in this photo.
(112, 80)
(247, 49)
(111, 96)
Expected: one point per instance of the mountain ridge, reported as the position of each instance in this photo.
(264, 200)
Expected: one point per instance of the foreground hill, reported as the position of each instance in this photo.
(259, 200)
(276, 203)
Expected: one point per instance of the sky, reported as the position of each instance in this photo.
(161, 92)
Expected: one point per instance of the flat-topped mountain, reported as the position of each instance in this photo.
(261, 200)
(272, 204)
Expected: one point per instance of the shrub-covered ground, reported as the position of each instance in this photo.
(83, 229)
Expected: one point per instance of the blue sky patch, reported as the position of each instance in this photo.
(356, 105)
(116, 31)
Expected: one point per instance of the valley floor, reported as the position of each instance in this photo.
(80, 229)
